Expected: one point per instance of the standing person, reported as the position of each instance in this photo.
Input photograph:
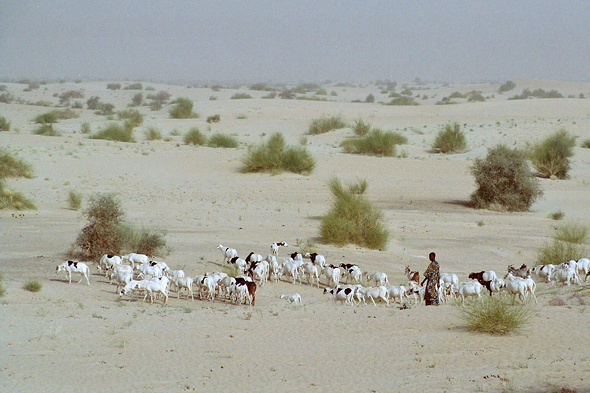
(432, 276)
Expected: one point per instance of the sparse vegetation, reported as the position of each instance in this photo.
(361, 128)
(221, 140)
(114, 132)
(551, 156)
(65, 97)
(182, 109)
(46, 130)
(46, 118)
(506, 86)
(504, 181)
(4, 124)
(557, 215)
(214, 119)
(403, 101)
(32, 286)
(85, 128)
(241, 96)
(377, 143)
(475, 96)
(450, 139)
(195, 137)
(495, 315)
(14, 200)
(569, 242)
(14, 167)
(353, 219)
(143, 240)
(137, 99)
(538, 93)
(585, 144)
(275, 156)
(113, 86)
(325, 124)
(132, 116)
(134, 86)
(152, 133)
(74, 200)
(2, 289)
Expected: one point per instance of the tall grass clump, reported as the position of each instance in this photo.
(450, 139)
(403, 101)
(352, 218)
(132, 116)
(143, 240)
(503, 179)
(551, 156)
(182, 109)
(325, 124)
(360, 128)
(569, 242)
(85, 128)
(14, 200)
(195, 137)
(495, 315)
(114, 132)
(585, 144)
(14, 167)
(4, 124)
(74, 200)
(221, 140)
(152, 133)
(46, 130)
(46, 118)
(376, 143)
(275, 156)
(2, 289)
(32, 286)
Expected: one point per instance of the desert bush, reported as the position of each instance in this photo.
(325, 124)
(2, 289)
(376, 143)
(551, 156)
(137, 99)
(32, 286)
(113, 86)
(504, 180)
(556, 251)
(214, 119)
(370, 99)
(275, 156)
(85, 128)
(114, 132)
(14, 200)
(572, 232)
(475, 96)
(94, 103)
(182, 109)
(456, 94)
(65, 97)
(557, 215)
(46, 118)
(65, 114)
(241, 96)
(46, 130)
(74, 200)
(152, 133)
(506, 86)
(106, 110)
(352, 218)
(221, 140)
(195, 137)
(134, 86)
(143, 240)
(402, 101)
(4, 124)
(14, 167)
(132, 116)
(6, 98)
(495, 315)
(450, 139)
(585, 143)
(360, 128)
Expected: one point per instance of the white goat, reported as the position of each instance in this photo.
(584, 267)
(521, 286)
(122, 279)
(543, 272)
(152, 270)
(341, 294)
(293, 298)
(290, 268)
(228, 253)
(310, 270)
(396, 292)
(316, 259)
(565, 276)
(470, 289)
(134, 258)
(373, 293)
(379, 278)
(184, 283)
(333, 274)
(274, 248)
(107, 262)
(74, 267)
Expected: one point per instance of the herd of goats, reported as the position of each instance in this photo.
(137, 275)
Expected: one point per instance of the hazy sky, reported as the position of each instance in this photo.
(293, 41)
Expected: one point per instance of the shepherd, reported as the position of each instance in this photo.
(432, 277)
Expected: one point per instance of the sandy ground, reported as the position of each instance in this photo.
(79, 338)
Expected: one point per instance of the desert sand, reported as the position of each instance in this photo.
(84, 338)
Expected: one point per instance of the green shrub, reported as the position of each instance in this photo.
(65, 114)
(376, 143)
(2, 289)
(46, 130)
(13, 167)
(402, 101)
(456, 94)
(134, 86)
(114, 132)
(14, 200)
(143, 240)
(495, 315)
(504, 179)
(113, 86)
(214, 119)
(275, 156)
(182, 109)
(557, 215)
(46, 118)
(325, 124)
(74, 200)
(353, 219)
(450, 139)
(556, 251)
(221, 140)
(507, 86)
(65, 97)
(572, 232)
(475, 96)
(137, 99)
(551, 156)
(94, 103)
(361, 128)
(241, 96)
(32, 286)
(585, 143)
(85, 128)
(195, 137)
(4, 124)
(132, 116)
(370, 99)
(152, 133)
(6, 97)
(106, 110)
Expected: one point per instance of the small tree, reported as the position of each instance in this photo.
(551, 156)
(504, 179)
(137, 99)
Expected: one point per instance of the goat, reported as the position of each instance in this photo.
(107, 261)
(294, 298)
(152, 270)
(373, 293)
(543, 271)
(412, 275)
(379, 278)
(565, 276)
(468, 289)
(522, 271)
(291, 268)
(136, 259)
(333, 275)
(353, 272)
(228, 253)
(74, 267)
(417, 291)
(184, 283)
(584, 267)
(311, 271)
(341, 294)
(240, 264)
(122, 279)
(253, 258)
(484, 278)
(520, 286)
(396, 292)
(316, 259)
(274, 248)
